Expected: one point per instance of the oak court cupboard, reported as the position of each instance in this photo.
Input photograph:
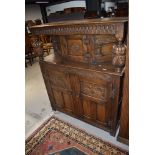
(84, 75)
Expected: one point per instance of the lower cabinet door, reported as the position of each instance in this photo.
(81, 94)
(59, 88)
(96, 103)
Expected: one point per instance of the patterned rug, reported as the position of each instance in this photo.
(56, 137)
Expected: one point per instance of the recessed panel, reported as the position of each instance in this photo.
(58, 98)
(89, 109)
(68, 101)
(100, 112)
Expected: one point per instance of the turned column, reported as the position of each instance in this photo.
(118, 55)
(119, 49)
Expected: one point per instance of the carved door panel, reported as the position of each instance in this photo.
(62, 91)
(91, 92)
(73, 47)
(96, 101)
(59, 88)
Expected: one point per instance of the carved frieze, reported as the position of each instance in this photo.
(76, 29)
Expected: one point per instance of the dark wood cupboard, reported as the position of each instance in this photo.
(84, 76)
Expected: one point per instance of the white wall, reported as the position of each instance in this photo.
(32, 12)
(62, 6)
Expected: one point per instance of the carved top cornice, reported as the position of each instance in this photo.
(85, 26)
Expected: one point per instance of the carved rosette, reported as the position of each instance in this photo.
(37, 47)
(118, 55)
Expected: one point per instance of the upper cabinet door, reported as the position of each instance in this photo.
(86, 48)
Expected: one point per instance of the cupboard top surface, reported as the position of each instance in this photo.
(85, 26)
(84, 22)
(107, 67)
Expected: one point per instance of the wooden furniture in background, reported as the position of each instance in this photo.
(84, 75)
(43, 40)
(29, 55)
(123, 135)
